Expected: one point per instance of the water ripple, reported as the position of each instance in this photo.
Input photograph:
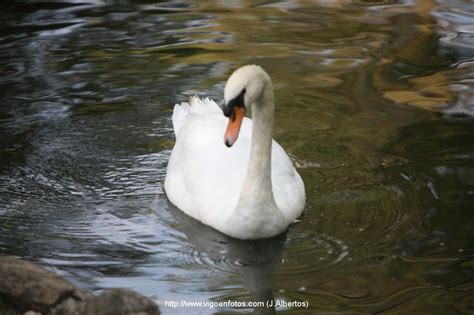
(374, 105)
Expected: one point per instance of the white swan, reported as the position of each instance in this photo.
(245, 188)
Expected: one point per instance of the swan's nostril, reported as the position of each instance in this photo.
(227, 110)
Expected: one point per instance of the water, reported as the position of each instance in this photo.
(374, 104)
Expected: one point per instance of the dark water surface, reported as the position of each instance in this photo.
(375, 104)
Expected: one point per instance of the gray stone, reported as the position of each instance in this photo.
(110, 302)
(26, 288)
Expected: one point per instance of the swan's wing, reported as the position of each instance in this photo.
(204, 177)
(288, 187)
(195, 105)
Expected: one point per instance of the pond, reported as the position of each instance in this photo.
(374, 104)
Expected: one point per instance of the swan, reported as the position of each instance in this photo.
(244, 185)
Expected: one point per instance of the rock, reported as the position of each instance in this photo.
(30, 287)
(26, 288)
(110, 302)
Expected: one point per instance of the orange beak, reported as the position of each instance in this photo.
(233, 127)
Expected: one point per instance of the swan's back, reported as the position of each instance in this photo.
(195, 105)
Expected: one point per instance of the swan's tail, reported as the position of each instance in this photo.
(195, 105)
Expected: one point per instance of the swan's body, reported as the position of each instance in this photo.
(242, 191)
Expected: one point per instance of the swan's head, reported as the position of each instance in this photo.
(243, 89)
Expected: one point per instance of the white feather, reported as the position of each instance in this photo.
(205, 178)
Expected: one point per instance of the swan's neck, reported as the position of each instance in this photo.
(257, 190)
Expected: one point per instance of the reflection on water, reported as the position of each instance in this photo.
(374, 104)
(253, 261)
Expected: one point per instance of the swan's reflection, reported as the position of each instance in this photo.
(255, 261)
